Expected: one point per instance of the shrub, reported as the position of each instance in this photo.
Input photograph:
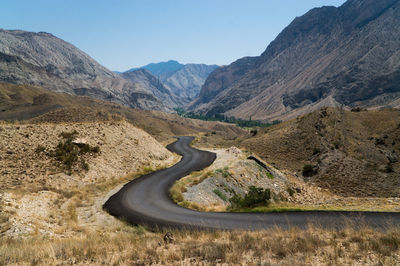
(69, 135)
(256, 196)
(220, 194)
(290, 191)
(308, 170)
(357, 109)
(224, 172)
(68, 153)
(269, 175)
(40, 149)
(389, 168)
(379, 141)
(316, 151)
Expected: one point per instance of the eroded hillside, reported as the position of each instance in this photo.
(45, 183)
(351, 153)
(22, 102)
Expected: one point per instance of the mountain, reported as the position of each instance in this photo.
(161, 70)
(185, 81)
(346, 56)
(44, 60)
(147, 80)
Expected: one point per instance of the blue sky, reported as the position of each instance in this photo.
(121, 34)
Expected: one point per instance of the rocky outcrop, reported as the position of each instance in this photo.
(44, 60)
(346, 56)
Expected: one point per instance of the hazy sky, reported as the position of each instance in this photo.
(121, 34)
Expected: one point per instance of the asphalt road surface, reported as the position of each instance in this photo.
(146, 201)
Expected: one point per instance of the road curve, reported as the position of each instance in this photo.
(146, 201)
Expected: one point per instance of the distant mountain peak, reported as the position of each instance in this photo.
(184, 81)
(161, 69)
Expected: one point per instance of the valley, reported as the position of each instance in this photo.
(289, 156)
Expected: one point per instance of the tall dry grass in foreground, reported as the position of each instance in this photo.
(134, 245)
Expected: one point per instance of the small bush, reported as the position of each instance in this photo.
(255, 197)
(69, 135)
(69, 153)
(336, 144)
(389, 168)
(379, 141)
(85, 166)
(224, 172)
(220, 194)
(316, 151)
(40, 149)
(290, 191)
(269, 175)
(147, 169)
(308, 170)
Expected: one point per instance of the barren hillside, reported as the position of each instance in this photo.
(330, 56)
(351, 153)
(41, 176)
(21, 102)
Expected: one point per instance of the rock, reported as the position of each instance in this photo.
(168, 238)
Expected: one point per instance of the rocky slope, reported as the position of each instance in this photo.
(328, 57)
(44, 60)
(187, 81)
(147, 80)
(352, 154)
(39, 192)
(184, 81)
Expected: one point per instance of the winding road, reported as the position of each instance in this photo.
(146, 201)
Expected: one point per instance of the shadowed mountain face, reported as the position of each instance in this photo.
(184, 81)
(44, 60)
(327, 57)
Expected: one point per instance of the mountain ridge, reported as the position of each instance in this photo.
(44, 60)
(183, 80)
(327, 56)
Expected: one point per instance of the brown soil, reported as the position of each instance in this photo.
(21, 102)
(353, 153)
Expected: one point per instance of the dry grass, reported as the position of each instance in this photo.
(179, 187)
(353, 153)
(43, 106)
(128, 245)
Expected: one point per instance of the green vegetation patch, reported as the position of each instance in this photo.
(68, 153)
(223, 118)
(220, 194)
(255, 197)
(224, 172)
